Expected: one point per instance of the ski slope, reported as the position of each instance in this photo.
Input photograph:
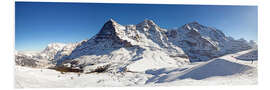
(225, 70)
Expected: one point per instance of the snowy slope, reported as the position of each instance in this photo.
(219, 71)
(225, 70)
(252, 55)
(128, 46)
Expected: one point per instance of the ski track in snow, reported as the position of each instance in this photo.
(225, 70)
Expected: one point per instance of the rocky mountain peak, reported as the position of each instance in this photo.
(108, 30)
(192, 25)
(147, 22)
(54, 46)
(112, 21)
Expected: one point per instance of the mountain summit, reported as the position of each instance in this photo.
(147, 22)
(146, 46)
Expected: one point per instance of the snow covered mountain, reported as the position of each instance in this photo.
(64, 51)
(147, 46)
(51, 50)
(44, 58)
(126, 47)
(140, 47)
(142, 55)
(202, 43)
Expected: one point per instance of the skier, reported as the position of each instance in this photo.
(251, 59)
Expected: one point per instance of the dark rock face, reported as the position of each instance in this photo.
(108, 33)
(106, 39)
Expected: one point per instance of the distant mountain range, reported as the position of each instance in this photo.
(138, 48)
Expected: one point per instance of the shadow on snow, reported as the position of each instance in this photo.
(218, 67)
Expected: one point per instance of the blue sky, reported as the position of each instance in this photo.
(39, 23)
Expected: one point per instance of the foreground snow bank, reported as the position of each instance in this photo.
(225, 70)
(45, 78)
(252, 55)
(214, 68)
(152, 60)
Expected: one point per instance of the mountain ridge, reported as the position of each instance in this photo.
(148, 46)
